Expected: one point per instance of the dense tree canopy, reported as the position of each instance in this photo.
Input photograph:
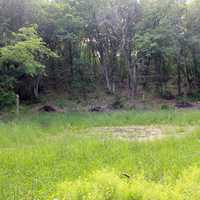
(129, 45)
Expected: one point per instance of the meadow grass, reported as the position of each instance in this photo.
(40, 151)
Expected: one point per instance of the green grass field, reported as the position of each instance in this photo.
(50, 156)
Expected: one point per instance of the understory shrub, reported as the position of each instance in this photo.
(164, 107)
(117, 103)
(7, 98)
(107, 185)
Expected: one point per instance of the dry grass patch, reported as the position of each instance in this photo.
(142, 133)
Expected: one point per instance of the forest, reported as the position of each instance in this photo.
(118, 46)
(99, 99)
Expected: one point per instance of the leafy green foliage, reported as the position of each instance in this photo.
(24, 56)
(25, 52)
(7, 98)
(115, 43)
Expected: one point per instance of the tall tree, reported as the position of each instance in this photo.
(24, 57)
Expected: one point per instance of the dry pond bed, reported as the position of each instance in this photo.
(141, 133)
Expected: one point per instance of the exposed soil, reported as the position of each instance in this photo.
(142, 133)
(138, 133)
(50, 109)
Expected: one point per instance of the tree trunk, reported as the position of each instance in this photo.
(36, 86)
(133, 81)
(104, 65)
(179, 79)
(158, 63)
(106, 76)
(114, 66)
(189, 79)
(70, 56)
(132, 74)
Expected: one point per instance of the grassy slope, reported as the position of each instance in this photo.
(39, 152)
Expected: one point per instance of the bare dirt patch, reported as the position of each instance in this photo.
(142, 133)
(138, 133)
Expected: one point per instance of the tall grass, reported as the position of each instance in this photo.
(38, 152)
(101, 185)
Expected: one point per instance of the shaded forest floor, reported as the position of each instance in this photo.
(100, 101)
(108, 103)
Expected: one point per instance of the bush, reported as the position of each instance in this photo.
(164, 107)
(105, 185)
(7, 99)
(168, 95)
(117, 103)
